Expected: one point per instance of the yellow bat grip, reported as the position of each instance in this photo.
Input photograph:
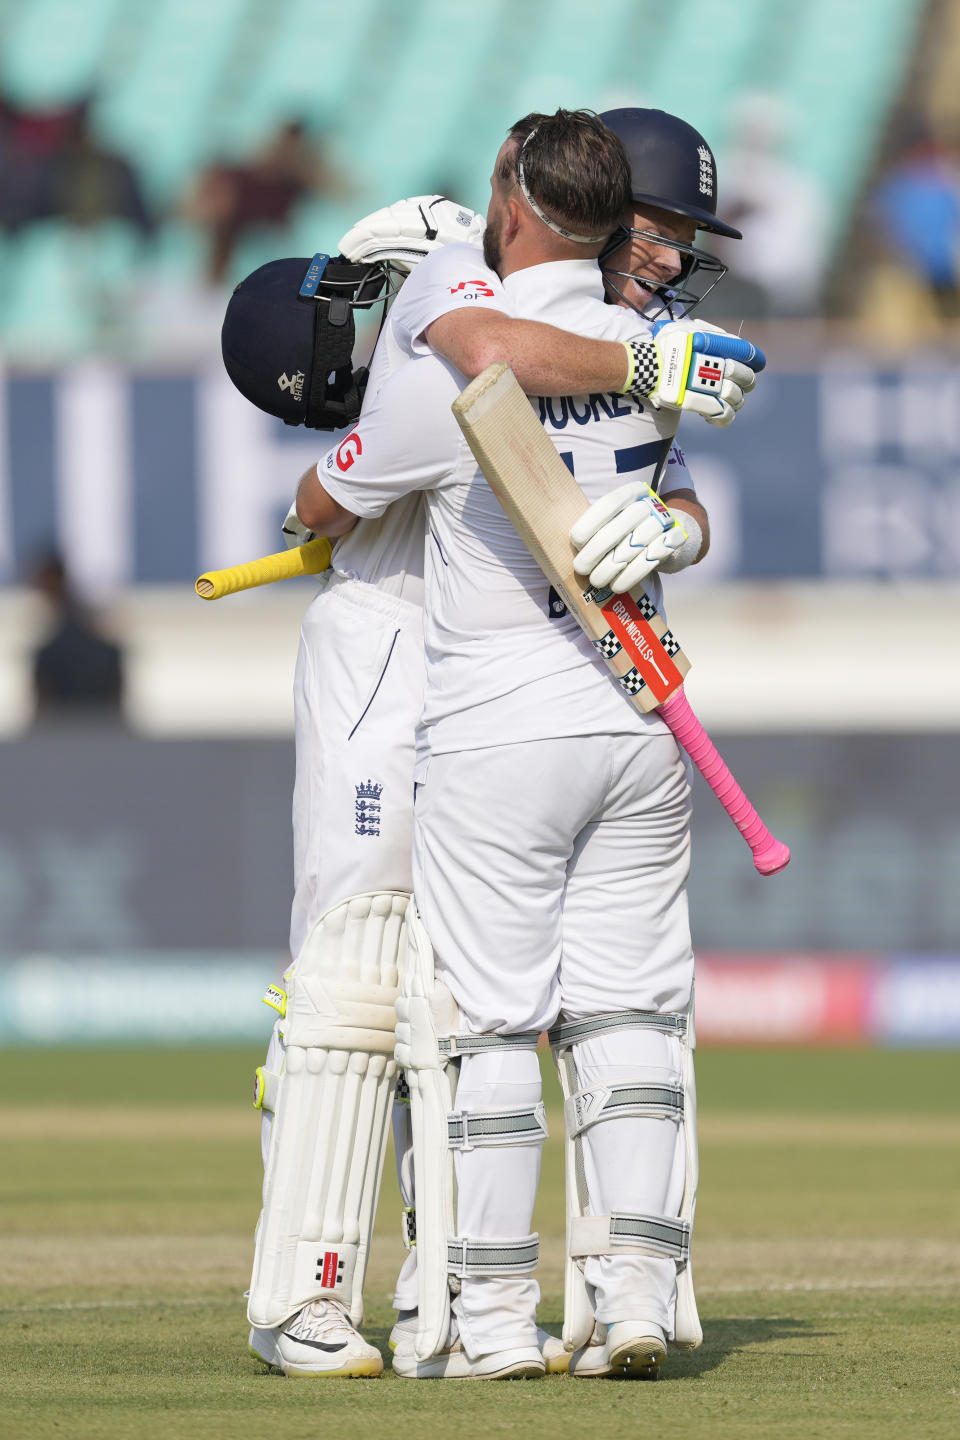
(307, 559)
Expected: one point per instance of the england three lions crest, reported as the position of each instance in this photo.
(367, 808)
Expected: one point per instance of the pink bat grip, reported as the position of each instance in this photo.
(769, 854)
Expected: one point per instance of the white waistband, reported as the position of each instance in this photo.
(369, 597)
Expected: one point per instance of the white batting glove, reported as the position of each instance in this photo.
(625, 536)
(293, 530)
(688, 378)
(409, 229)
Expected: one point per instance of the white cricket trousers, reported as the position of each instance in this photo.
(358, 693)
(551, 876)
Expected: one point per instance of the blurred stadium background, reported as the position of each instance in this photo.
(151, 154)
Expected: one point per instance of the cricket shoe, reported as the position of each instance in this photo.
(556, 1356)
(319, 1340)
(625, 1349)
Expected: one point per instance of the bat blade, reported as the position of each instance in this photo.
(542, 500)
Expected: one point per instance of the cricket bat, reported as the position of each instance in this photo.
(308, 559)
(542, 500)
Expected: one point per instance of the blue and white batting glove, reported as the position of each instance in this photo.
(628, 534)
(690, 365)
(409, 229)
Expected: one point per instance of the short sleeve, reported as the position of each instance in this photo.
(408, 440)
(452, 278)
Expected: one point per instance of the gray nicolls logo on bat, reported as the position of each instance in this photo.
(367, 808)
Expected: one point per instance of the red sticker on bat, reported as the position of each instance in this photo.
(641, 643)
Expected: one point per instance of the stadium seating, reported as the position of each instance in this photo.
(417, 97)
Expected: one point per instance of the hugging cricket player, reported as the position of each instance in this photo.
(330, 1071)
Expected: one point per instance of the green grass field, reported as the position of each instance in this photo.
(827, 1256)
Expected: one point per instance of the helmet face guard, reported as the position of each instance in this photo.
(698, 274)
(288, 336)
(672, 168)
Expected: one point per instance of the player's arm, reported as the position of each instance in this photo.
(686, 501)
(407, 440)
(318, 511)
(461, 313)
(545, 360)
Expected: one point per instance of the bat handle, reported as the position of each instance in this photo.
(769, 854)
(730, 347)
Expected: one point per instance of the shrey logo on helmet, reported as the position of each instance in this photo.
(293, 383)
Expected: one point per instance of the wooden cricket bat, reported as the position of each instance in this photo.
(308, 559)
(542, 500)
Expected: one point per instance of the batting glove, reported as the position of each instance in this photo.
(627, 535)
(293, 530)
(692, 366)
(409, 229)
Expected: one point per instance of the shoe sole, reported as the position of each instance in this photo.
(557, 1364)
(438, 1369)
(638, 1359)
(353, 1370)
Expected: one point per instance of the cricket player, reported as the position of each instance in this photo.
(643, 817)
(361, 650)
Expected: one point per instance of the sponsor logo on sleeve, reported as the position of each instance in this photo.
(347, 451)
(471, 289)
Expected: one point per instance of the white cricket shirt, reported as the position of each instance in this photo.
(387, 551)
(502, 664)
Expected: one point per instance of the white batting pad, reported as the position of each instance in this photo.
(332, 1110)
(426, 1013)
(657, 1236)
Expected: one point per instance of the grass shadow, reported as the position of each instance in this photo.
(721, 1339)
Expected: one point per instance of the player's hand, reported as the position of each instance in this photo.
(409, 229)
(624, 536)
(703, 369)
(293, 530)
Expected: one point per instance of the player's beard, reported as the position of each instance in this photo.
(492, 249)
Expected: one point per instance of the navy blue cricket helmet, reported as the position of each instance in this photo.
(673, 168)
(671, 165)
(288, 335)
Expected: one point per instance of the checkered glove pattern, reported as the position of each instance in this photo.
(643, 367)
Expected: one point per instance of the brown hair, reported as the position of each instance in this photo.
(575, 168)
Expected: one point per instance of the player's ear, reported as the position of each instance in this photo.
(513, 220)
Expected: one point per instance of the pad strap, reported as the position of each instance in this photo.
(454, 1045)
(610, 1102)
(570, 1032)
(266, 1088)
(655, 1235)
(469, 1257)
(468, 1129)
(408, 1226)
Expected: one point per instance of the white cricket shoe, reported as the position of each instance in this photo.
(319, 1340)
(556, 1356)
(628, 1349)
